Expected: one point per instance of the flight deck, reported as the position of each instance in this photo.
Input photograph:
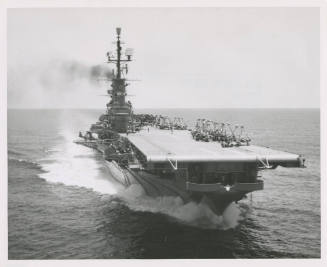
(162, 145)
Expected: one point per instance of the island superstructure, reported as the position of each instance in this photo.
(212, 162)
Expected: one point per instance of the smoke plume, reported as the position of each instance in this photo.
(54, 83)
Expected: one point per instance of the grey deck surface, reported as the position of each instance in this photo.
(161, 145)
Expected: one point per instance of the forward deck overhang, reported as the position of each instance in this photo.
(178, 145)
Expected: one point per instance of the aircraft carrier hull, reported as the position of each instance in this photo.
(157, 187)
(172, 163)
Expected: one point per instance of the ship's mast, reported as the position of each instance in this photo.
(119, 60)
(118, 53)
(118, 109)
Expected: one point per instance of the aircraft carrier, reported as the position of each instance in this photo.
(213, 162)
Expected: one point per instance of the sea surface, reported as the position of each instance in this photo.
(63, 204)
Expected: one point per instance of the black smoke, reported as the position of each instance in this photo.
(73, 70)
(52, 81)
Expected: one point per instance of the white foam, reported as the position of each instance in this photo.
(196, 214)
(66, 166)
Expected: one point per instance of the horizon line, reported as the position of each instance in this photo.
(72, 108)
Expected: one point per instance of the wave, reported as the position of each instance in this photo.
(75, 165)
(191, 213)
(50, 150)
(14, 153)
(23, 162)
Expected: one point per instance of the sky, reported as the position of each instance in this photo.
(228, 57)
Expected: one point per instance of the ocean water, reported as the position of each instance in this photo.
(63, 204)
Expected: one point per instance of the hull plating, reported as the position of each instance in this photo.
(155, 186)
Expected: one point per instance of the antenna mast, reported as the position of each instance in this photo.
(118, 110)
